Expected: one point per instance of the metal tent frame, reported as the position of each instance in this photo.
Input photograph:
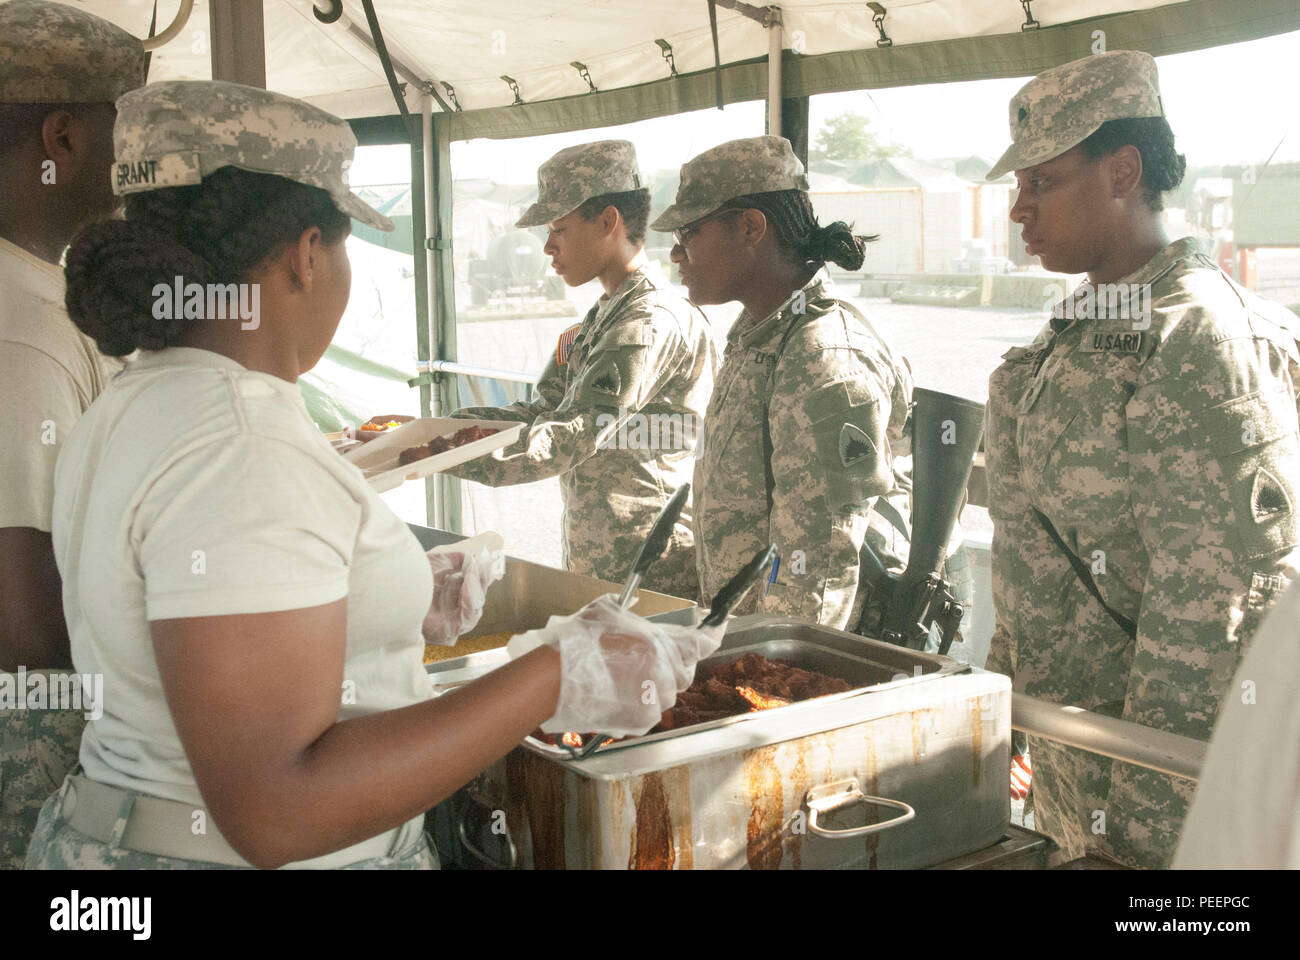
(785, 79)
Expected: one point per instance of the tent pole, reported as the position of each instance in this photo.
(419, 255)
(238, 42)
(774, 45)
(445, 493)
(432, 490)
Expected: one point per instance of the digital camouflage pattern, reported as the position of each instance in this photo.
(576, 174)
(177, 132)
(38, 748)
(733, 169)
(54, 53)
(1062, 107)
(56, 846)
(637, 377)
(1169, 464)
(798, 441)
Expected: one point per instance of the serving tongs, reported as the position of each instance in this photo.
(656, 543)
(734, 589)
(719, 609)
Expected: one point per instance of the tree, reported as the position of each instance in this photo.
(848, 140)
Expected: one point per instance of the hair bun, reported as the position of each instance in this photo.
(836, 243)
(112, 269)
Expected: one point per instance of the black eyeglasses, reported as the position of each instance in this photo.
(683, 234)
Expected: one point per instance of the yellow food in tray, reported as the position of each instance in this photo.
(488, 641)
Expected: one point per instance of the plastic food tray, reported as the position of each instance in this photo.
(377, 458)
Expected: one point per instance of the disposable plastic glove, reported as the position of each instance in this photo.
(618, 671)
(460, 583)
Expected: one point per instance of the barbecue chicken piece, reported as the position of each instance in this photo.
(745, 685)
(442, 444)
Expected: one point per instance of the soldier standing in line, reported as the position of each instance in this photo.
(1142, 457)
(800, 436)
(60, 71)
(620, 402)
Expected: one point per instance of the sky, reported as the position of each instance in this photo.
(1227, 105)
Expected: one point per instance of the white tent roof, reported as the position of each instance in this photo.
(470, 44)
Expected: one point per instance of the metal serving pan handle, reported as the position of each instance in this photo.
(844, 793)
(462, 831)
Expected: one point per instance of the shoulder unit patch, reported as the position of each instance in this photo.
(854, 444)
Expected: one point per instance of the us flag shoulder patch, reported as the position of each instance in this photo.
(565, 344)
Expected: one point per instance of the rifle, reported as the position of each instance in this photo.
(945, 435)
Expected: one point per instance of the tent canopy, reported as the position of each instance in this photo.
(522, 68)
(829, 45)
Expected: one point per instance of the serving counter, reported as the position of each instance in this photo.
(906, 769)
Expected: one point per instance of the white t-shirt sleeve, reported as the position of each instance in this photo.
(247, 524)
(42, 405)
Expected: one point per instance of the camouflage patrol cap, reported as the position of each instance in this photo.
(1062, 107)
(53, 53)
(576, 174)
(733, 169)
(175, 133)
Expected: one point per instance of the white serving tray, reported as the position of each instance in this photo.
(340, 442)
(377, 458)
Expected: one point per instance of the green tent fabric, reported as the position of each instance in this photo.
(326, 410)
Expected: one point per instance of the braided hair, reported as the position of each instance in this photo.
(1162, 166)
(218, 231)
(632, 205)
(798, 234)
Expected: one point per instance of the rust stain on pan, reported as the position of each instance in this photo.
(766, 795)
(589, 823)
(619, 802)
(652, 841)
(677, 783)
(976, 739)
(869, 787)
(544, 783)
(794, 844)
(919, 718)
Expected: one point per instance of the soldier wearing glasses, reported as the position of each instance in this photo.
(808, 411)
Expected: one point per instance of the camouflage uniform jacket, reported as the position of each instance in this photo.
(617, 422)
(797, 443)
(1167, 458)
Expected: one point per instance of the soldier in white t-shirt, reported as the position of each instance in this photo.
(254, 608)
(60, 71)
